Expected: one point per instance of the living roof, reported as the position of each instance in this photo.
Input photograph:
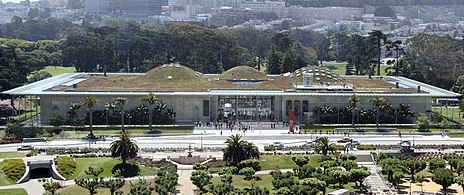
(183, 79)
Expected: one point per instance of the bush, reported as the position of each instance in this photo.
(14, 169)
(253, 163)
(248, 172)
(66, 166)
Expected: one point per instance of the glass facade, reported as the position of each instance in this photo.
(252, 108)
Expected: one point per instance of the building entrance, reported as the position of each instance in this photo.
(246, 108)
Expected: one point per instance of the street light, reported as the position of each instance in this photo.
(201, 141)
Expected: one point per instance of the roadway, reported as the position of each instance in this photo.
(215, 140)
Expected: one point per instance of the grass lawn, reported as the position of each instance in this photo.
(456, 135)
(15, 191)
(74, 189)
(239, 182)
(26, 115)
(82, 164)
(272, 162)
(453, 112)
(4, 181)
(340, 68)
(13, 154)
(138, 130)
(348, 186)
(57, 70)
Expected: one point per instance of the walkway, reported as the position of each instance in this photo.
(32, 187)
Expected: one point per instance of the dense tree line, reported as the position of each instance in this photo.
(361, 3)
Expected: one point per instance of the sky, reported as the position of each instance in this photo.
(15, 1)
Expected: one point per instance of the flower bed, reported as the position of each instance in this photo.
(14, 169)
(66, 166)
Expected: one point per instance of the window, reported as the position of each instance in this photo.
(297, 107)
(305, 106)
(205, 107)
(288, 107)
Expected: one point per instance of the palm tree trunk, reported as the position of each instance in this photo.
(377, 117)
(122, 120)
(352, 116)
(91, 120)
(150, 120)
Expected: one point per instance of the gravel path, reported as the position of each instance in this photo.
(185, 186)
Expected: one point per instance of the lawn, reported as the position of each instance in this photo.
(26, 115)
(74, 189)
(266, 181)
(15, 191)
(4, 155)
(106, 163)
(456, 135)
(239, 182)
(452, 113)
(340, 68)
(272, 162)
(57, 70)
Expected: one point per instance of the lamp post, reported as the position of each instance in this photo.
(201, 141)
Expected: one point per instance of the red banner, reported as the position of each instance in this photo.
(291, 121)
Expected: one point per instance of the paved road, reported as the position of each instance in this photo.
(213, 140)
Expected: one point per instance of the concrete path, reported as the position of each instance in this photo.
(185, 186)
(32, 187)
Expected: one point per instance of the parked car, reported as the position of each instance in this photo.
(26, 147)
(310, 143)
(277, 144)
(355, 143)
(345, 140)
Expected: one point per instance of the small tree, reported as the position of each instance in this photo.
(422, 123)
(340, 177)
(349, 164)
(51, 186)
(198, 166)
(420, 179)
(413, 167)
(91, 184)
(444, 177)
(165, 181)
(460, 181)
(226, 178)
(436, 163)
(140, 188)
(56, 121)
(248, 172)
(284, 191)
(221, 188)
(113, 184)
(397, 177)
(314, 183)
(358, 175)
(300, 160)
(201, 179)
(253, 163)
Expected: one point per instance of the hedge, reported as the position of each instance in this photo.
(66, 166)
(14, 169)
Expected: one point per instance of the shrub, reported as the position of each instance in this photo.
(66, 166)
(248, 172)
(14, 169)
(253, 163)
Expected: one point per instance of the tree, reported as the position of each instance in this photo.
(458, 87)
(413, 167)
(120, 102)
(444, 177)
(273, 62)
(379, 39)
(422, 122)
(457, 165)
(90, 101)
(435, 164)
(248, 172)
(56, 120)
(113, 184)
(221, 189)
(140, 188)
(349, 164)
(51, 186)
(420, 179)
(460, 181)
(397, 177)
(395, 50)
(353, 101)
(238, 150)
(379, 103)
(300, 160)
(201, 179)
(283, 191)
(323, 145)
(339, 176)
(314, 183)
(358, 175)
(253, 163)
(151, 99)
(91, 184)
(124, 147)
(165, 181)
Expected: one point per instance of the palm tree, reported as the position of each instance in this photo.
(323, 145)
(120, 102)
(90, 101)
(379, 39)
(151, 99)
(353, 101)
(379, 103)
(124, 147)
(238, 150)
(109, 106)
